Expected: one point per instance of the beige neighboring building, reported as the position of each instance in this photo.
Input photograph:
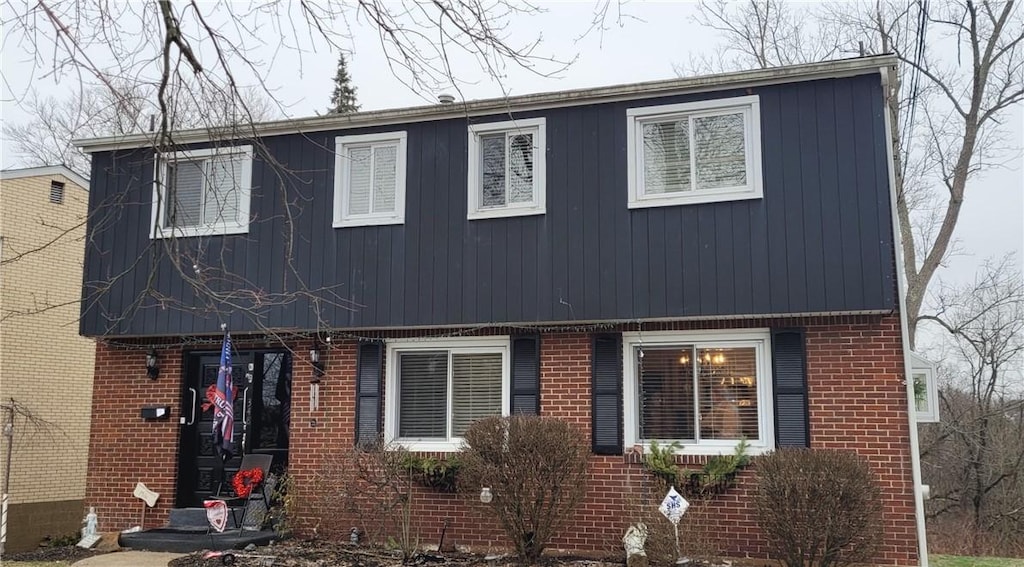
(45, 366)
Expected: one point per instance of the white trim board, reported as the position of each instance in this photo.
(507, 105)
(45, 171)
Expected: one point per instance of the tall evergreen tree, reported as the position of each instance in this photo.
(343, 99)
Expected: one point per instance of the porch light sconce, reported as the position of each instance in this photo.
(152, 365)
(318, 365)
(485, 495)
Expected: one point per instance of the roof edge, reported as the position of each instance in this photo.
(650, 89)
(44, 171)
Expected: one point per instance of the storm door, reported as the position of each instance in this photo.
(262, 412)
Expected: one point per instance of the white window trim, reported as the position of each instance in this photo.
(920, 365)
(750, 106)
(537, 206)
(760, 339)
(157, 230)
(500, 344)
(342, 218)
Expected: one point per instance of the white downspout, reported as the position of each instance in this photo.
(901, 280)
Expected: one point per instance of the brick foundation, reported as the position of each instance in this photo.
(856, 394)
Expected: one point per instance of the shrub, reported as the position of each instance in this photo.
(372, 485)
(818, 508)
(536, 469)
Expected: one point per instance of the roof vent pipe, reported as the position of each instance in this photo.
(445, 98)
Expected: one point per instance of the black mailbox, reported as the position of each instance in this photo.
(156, 412)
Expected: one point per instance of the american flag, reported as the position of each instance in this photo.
(224, 404)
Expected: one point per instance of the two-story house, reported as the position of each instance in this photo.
(704, 260)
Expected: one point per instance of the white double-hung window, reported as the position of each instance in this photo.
(707, 390)
(436, 389)
(696, 152)
(369, 179)
(507, 168)
(202, 192)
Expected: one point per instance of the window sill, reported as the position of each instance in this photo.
(505, 212)
(367, 221)
(704, 450)
(693, 199)
(429, 446)
(191, 232)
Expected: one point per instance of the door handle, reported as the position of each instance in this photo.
(245, 407)
(194, 398)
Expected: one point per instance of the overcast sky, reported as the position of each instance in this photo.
(647, 44)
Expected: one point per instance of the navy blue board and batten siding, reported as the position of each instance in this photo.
(819, 240)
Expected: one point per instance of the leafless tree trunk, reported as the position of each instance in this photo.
(945, 114)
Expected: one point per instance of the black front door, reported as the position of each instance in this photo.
(262, 411)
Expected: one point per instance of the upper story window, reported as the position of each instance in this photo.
(369, 179)
(57, 192)
(203, 192)
(441, 387)
(696, 152)
(507, 168)
(708, 390)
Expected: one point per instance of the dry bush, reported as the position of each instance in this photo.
(368, 488)
(818, 508)
(697, 540)
(536, 469)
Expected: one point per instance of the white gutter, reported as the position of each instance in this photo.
(505, 106)
(901, 280)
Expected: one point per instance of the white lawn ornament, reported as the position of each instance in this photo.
(91, 531)
(673, 507)
(633, 542)
(148, 498)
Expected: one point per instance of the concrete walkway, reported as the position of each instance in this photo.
(129, 559)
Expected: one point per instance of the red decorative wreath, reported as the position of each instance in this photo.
(245, 481)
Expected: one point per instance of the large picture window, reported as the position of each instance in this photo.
(507, 168)
(706, 390)
(694, 152)
(441, 387)
(203, 192)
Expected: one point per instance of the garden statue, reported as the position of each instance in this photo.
(634, 541)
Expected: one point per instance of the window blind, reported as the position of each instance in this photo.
(667, 408)
(359, 180)
(476, 389)
(384, 177)
(492, 156)
(423, 388)
(667, 156)
(185, 179)
(222, 190)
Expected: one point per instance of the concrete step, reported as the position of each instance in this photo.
(188, 540)
(193, 518)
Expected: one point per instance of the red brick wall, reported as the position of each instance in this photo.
(125, 449)
(857, 401)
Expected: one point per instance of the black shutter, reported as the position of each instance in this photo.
(526, 376)
(606, 389)
(789, 365)
(369, 362)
